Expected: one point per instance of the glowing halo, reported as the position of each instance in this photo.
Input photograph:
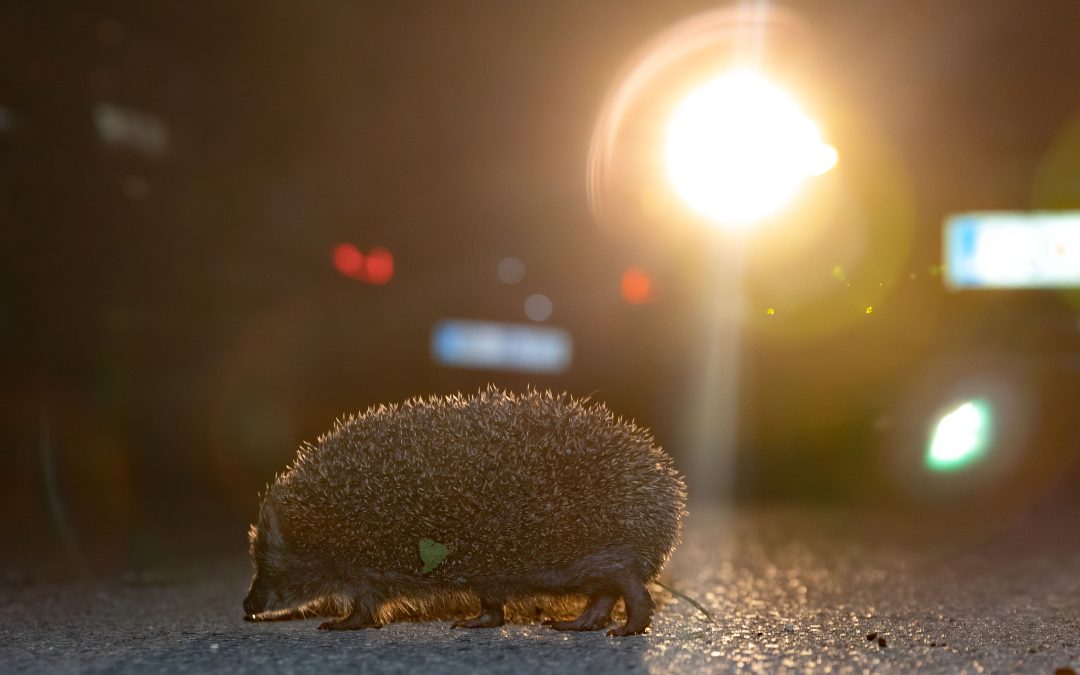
(739, 31)
(739, 147)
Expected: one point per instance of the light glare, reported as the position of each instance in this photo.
(960, 437)
(739, 147)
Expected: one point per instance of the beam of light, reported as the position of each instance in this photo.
(960, 437)
(628, 139)
(739, 147)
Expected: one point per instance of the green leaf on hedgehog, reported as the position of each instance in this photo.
(432, 553)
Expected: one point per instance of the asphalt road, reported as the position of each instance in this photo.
(791, 592)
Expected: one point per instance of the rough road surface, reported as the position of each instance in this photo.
(790, 592)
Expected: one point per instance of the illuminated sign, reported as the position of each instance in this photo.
(501, 346)
(1012, 250)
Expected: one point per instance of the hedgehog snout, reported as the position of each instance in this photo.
(259, 598)
(253, 603)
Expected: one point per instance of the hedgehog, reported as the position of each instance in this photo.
(493, 497)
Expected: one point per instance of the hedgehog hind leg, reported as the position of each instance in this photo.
(363, 614)
(491, 615)
(597, 614)
(639, 606)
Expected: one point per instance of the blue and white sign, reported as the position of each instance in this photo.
(1012, 250)
(501, 346)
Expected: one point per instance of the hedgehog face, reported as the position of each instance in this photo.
(274, 584)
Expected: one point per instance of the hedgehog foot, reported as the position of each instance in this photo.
(597, 615)
(487, 619)
(361, 616)
(491, 615)
(638, 607)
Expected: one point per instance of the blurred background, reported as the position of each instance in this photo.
(227, 224)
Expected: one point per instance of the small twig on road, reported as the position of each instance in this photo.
(684, 596)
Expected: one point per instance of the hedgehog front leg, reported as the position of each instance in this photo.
(362, 615)
(638, 606)
(491, 615)
(597, 614)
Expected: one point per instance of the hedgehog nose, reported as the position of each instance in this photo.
(252, 605)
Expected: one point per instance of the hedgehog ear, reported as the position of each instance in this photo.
(268, 522)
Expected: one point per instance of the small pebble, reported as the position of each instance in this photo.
(871, 636)
(790, 628)
(214, 646)
(881, 643)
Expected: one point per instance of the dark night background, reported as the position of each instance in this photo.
(172, 326)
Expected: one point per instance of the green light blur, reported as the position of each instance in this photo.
(961, 436)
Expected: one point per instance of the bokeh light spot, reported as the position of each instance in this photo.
(511, 270)
(636, 286)
(960, 437)
(379, 266)
(348, 259)
(538, 307)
